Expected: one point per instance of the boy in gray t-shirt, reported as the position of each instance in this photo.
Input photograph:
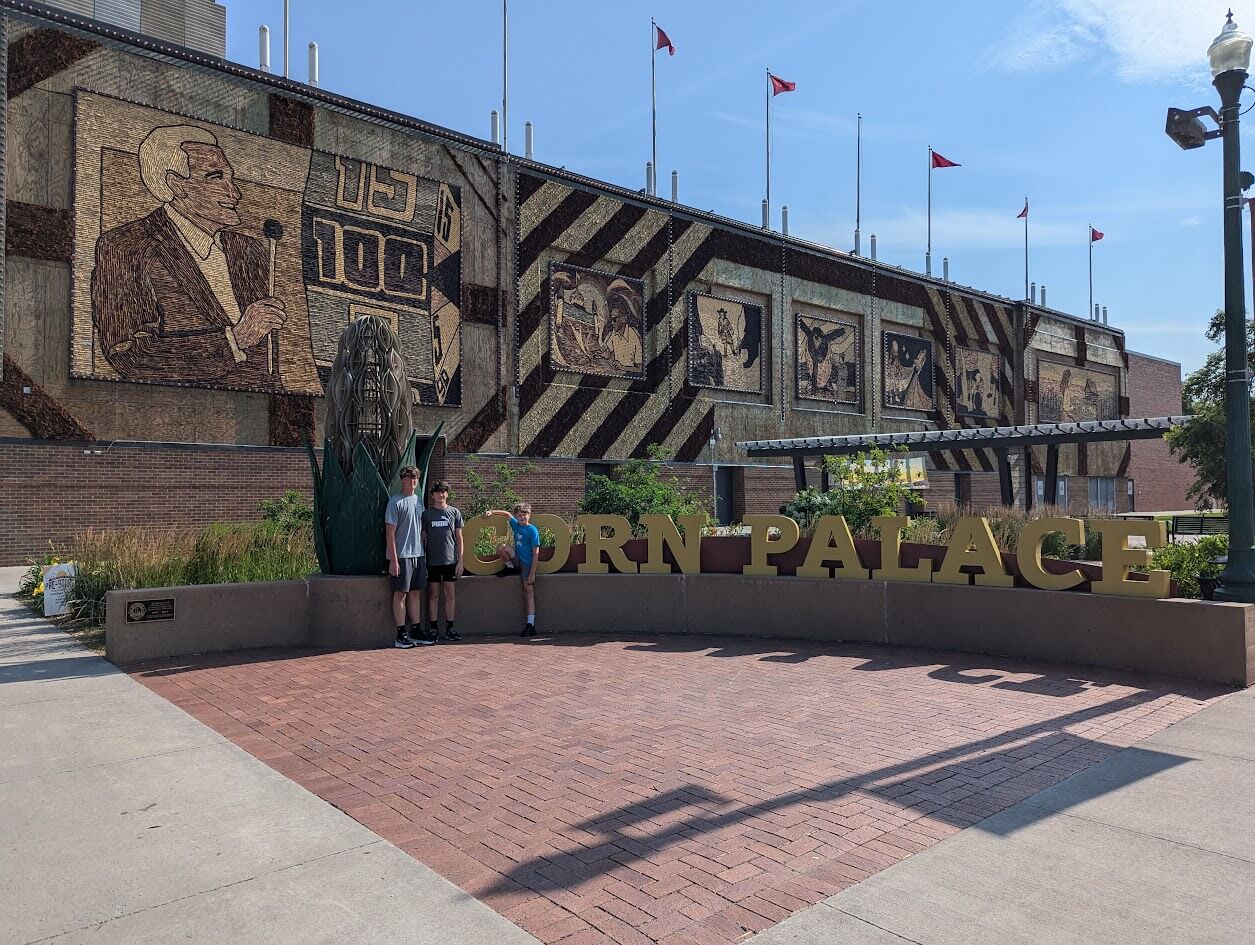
(442, 537)
(404, 548)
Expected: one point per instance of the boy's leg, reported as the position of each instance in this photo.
(448, 589)
(417, 595)
(433, 601)
(529, 604)
(403, 640)
(506, 554)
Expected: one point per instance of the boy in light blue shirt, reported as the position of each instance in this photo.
(524, 556)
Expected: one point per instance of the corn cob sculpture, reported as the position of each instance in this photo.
(369, 438)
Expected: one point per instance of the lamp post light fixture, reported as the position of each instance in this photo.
(1230, 57)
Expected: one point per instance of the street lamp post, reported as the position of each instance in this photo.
(714, 474)
(1230, 56)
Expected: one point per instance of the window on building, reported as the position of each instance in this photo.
(1132, 494)
(725, 493)
(597, 469)
(1102, 493)
(1061, 491)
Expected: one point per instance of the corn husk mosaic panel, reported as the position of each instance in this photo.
(907, 372)
(828, 355)
(596, 322)
(977, 382)
(725, 343)
(211, 257)
(1069, 394)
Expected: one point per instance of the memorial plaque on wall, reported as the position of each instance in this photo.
(907, 366)
(725, 343)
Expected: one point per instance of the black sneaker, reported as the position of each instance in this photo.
(403, 642)
(526, 631)
(452, 635)
(425, 639)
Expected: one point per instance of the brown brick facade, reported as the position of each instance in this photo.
(1160, 481)
(51, 492)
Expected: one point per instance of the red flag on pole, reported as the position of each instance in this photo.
(939, 161)
(1095, 235)
(664, 41)
(1023, 215)
(779, 85)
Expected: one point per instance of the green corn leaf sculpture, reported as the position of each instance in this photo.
(369, 438)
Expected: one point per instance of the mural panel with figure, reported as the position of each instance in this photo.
(1069, 394)
(977, 382)
(725, 343)
(596, 321)
(908, 371)
(827, 359)
(213, 257)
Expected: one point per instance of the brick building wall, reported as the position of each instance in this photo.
(1159, 480)
(52, 492)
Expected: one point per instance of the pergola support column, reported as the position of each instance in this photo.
(1004, 477)
(1052, 474)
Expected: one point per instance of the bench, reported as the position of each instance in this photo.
(1199, 525)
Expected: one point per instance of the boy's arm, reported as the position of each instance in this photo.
(531, 572)
(457, 542)
(390, 531)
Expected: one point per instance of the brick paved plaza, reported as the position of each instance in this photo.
(669, 789)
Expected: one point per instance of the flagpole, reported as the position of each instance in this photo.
(928, 255)
(1026, 295)
(1089, 313)
(653, 95)
(505, 74)
(859, 182)
(768, 220)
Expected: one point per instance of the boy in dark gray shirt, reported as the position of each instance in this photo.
(442, 539)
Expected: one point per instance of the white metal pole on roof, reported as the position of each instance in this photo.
(263, 50)
(286, 11)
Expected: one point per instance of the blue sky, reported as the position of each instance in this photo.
(1062, 100)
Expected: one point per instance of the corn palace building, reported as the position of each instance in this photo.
(187, 237)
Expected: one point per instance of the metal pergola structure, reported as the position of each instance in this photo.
(1000, 439)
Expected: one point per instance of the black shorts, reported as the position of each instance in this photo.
(411, 575)
(439, 573)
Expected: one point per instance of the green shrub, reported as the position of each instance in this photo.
(275, 549)
(863, 486)
(1190, 561)
(238, 552)
(289, 513)
(636, 488)
(496, 492)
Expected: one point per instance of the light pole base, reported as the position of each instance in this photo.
(1237, 580)
(1235, 593)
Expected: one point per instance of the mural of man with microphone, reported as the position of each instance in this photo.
(181, 295)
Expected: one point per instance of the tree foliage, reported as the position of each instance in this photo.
(862, 486)
(493, 490)
(1201, 441)
(638, 487)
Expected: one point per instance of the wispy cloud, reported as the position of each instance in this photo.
(1151, 40)
(1190, 221)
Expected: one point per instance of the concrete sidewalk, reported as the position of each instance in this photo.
(1154, 845)
(127, 821)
